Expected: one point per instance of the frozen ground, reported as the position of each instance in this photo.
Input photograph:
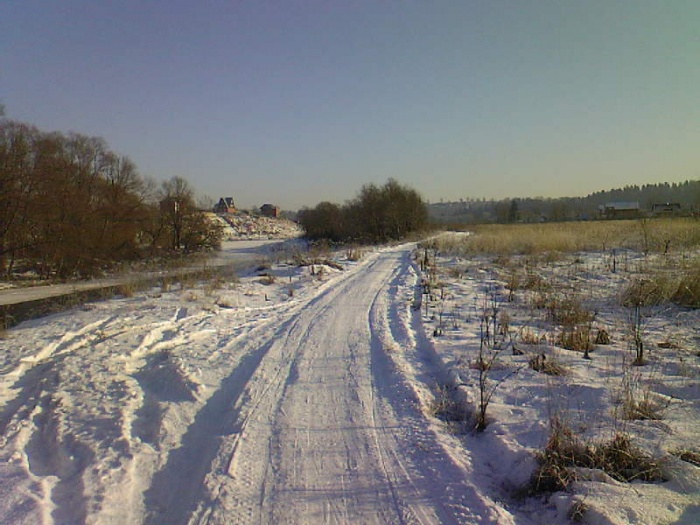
(307, 394)
(592, 396)
(238, 254)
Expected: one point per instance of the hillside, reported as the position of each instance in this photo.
(244, 225)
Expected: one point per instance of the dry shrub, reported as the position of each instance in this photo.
(576, 337)
(446, 409)
(689, 456)
(688, 292)
(639, 402)
(623, 461)
(267, 279)
(602, 337)
(565, 452)
(549, 366)
(568, 311)
(652, 291)
(528, 337)
(534, 281)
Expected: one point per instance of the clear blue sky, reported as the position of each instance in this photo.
(295, 102)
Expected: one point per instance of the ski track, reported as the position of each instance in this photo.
(306, 413)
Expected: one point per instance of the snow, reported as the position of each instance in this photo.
(303, 394)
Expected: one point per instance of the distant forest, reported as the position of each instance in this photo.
(539, 209)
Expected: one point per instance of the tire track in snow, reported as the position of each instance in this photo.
(222, 424)
(318, 445)
(171, 503)
(417, 366)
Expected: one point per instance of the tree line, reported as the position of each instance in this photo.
(376, 214)
(535, 209)
(71, 207)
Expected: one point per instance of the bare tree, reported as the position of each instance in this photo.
(188, 227)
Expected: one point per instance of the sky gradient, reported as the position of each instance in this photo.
(294, 102)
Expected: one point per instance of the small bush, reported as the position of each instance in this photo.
(649, 291)
(576, 338)
(551, 366)
(568, 311)
(625, 462)
(126, 289)
(528, 337)
(564, 452)
(602, 337)
(689, 456)
(446, 409)
(353, 254)
(688, 292)
(267, 279)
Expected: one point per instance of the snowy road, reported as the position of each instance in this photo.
(302, 412)
(324, 430)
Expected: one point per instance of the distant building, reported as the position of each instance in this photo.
(270, 210)
(619, 210)
(665, 209)
(225, 205)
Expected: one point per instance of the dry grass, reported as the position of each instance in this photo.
(549, 366)
(689, 456)
(354, 254)
(528, 337)
(267, 279)
(637, 401)
(568, 311)
(447, 410)
(649, 291)
(126, 289)
(681, 286)
(575, 337)
(688, 292)
(565, 452)
(648, 235)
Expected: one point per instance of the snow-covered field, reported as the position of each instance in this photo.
(593, 396)
(308, 394)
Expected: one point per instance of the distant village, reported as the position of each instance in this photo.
(227, 205)
(631, 202)
(266, 222)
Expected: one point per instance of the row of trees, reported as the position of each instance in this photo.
(70, 207)
(377, 214)
(687, 194)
